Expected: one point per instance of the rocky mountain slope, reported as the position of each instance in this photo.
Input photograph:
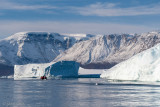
(108, 50)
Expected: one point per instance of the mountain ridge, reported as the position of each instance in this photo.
(109, 49)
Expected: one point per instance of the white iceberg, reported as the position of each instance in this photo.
(144, 66)
(30, 70)
(61, 68)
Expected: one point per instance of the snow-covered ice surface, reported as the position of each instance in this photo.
(144, 66)
(83, 71)
(89, 73)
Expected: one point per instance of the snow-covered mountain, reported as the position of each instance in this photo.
(108, 50)
(36, 47)
(144, 66)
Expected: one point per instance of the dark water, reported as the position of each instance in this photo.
(80, 92)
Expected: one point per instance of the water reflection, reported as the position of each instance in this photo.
(78, 93)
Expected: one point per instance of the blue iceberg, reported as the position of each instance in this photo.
(65, 69)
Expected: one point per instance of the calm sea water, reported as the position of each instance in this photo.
(82, 92)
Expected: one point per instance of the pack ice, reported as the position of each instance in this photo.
(144, 66)
(53, 69)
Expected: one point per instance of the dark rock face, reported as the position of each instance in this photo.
(98, 65)
(6, 70)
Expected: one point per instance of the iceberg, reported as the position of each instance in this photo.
(50, 70)
(144, 66)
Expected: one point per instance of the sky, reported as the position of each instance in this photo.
(79, 16)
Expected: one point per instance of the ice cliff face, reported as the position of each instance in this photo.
(108, 50)
(35, 47)
(144, 66)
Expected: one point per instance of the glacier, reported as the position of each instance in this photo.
(144, 66)
(62, 69)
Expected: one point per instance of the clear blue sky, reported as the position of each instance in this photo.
(79, 16)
